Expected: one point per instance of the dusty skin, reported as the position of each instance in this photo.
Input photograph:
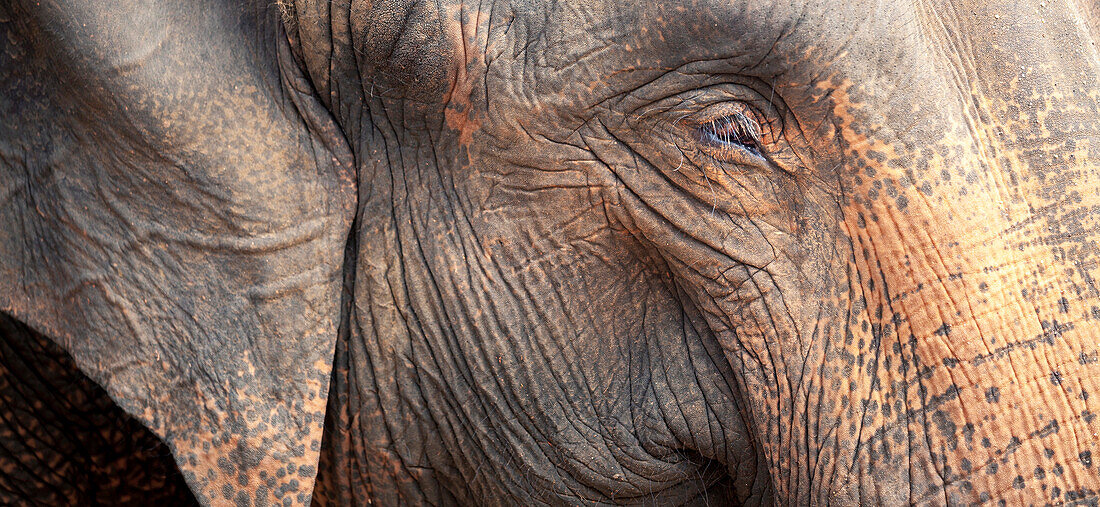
(563, 253)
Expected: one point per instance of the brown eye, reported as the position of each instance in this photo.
(737, 130)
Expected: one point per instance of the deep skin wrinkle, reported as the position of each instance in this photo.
(492, 252)
(868, 282)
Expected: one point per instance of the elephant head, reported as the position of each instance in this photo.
(569, 253)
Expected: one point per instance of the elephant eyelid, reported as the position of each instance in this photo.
(737, 130)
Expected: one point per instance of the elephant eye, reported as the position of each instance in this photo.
(735, 131)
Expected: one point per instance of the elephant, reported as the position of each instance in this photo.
(546, 252)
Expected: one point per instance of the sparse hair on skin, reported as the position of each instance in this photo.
(746, 126)
(287, 11)
(738, 128)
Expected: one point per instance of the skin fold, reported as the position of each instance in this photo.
(542, 253)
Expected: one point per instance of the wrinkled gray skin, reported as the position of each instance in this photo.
(587, 253)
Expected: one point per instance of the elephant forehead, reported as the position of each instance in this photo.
(587, 53)
(426, 47)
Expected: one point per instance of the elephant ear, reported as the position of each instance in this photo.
(174, 207)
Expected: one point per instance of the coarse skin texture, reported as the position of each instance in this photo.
(506, 247)
(66, 442)
(174, 215)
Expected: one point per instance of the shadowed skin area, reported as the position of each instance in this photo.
(561, 283)
(66, 442)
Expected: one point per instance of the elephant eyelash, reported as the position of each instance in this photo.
(738, 130)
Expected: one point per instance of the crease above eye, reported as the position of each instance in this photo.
(737, 130)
